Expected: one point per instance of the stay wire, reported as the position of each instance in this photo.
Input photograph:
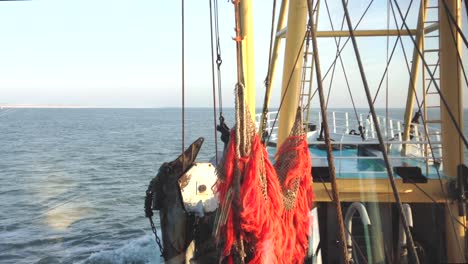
(466, 6)
(219, 60)
(344, 45)
(342, 66)
(337, 43)
(213, 83)
(430, 83)
(361, 254)
(429, 140)
(267, 81)
(435, 202)
(454, 22)
(398, 39)
(451, 20)
(287, 86)
(391, 55)
(379, 135)
(452, 118)
(330, 158)
(386, 84)
(423, 121)
(347, 40)
(183, 76)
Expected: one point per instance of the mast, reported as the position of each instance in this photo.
(276, 47)
(248, 58)
(291, 82)
(452, 150)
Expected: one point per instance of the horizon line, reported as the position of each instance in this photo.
(57, 106)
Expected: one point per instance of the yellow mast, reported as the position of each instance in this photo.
(292, 70)
(276, 47)
(452, 151)
(248, 58)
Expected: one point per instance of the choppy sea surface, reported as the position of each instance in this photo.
(72, 181)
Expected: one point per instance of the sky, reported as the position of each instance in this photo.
(114, 53)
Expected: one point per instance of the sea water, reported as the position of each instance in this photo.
(73, 181)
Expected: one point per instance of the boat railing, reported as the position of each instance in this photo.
(340, 122)
(422, 143)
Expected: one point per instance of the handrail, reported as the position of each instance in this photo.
(402, 245)
(340, 119)
(361, 209)
(342, 125)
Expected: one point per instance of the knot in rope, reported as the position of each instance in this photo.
(219, 61)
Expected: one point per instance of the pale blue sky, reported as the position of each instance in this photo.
(128, 53)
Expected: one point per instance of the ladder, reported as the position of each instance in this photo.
(431, 97)
(307, 74)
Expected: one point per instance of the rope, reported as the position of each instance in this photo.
(287, 86)
(387, 123)
(450, 18)
(337, 49)
(452, 118)
(214, 83)
(347, 40)
(342, 67)
(240, 132)
(379, 135)
(344, 45)
(393, 50)
(391, 56)
(219, 61)
(183, 77)
(336, 197)
(454, 21)
(429, 140)
(466, 6)
(267, 82)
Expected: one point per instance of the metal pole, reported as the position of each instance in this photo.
(452, 147)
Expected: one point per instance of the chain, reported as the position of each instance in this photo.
(158, 240)
(195, 228)
(149, 213)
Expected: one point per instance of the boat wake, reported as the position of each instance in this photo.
(140, 250)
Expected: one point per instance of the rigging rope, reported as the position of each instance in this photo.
(379, 135)
(331, 165)
(337, 49)
(219, 61)
(452, 118)
(183, 77)
(287, 86)
(264, 120)
(344, 71)
(214, 83)
(391, 56)
(393, 50)
(347, 40)
(451, 19)
(428, 138)
(466, 6)
(361, 128)
(387, 124)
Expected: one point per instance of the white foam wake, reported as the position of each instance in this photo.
(140, 250)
